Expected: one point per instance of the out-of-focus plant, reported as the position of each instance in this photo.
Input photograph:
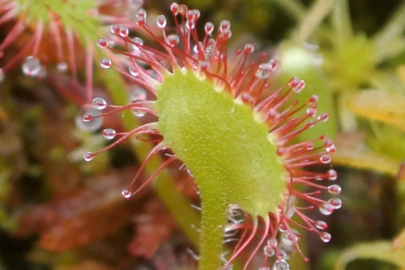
(60, 33)
(365, 83)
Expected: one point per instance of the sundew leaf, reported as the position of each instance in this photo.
(215, 137)
(379, 105)
(380, 251)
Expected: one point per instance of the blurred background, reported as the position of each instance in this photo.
(60, 212)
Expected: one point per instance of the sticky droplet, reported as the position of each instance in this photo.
(325, 237)
(99, 103)
(105, 63)
(88, 120)
(126, 193)
(62, 66)
(31, 66)
(88, 156)
(109, 133)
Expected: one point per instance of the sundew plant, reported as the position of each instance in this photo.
(202, 134)
(216, 113)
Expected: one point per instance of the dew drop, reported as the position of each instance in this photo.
(325, 159)
(123, 31)
(326, 208)
(264, 70)
(88, 121)
(109, 133)
(141, 17)
(31, 66)
(248, 98)
(204, 65)
(309, 146)
(141, 13)
(313, 99)
(293, 82)
(226, 34)
(334, 189)
(287, 239)
(126, 193)
(327, 142)
(281, 265)
(161, 21)
(282, 228)
(138, 42)
(329, 145)
(99, 103)
(249, 48)
(132, 71)
(211, 43)
(323, 117)
(173, 40)
(331, 149)
(1, 75)
(299, 87)
(273, 114)
(62, 66)
(336, 203)
(88, 156)
(115, 29)
(332, 175)
(225, 25)
(311, 112)
(105, 63)
(174, 7)
(193, 15)
(272, 242)
(282, 254)
(190, 24)
(269, 251)
(102, 43)
(325, 237)
(321, 225)
(209, 28)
